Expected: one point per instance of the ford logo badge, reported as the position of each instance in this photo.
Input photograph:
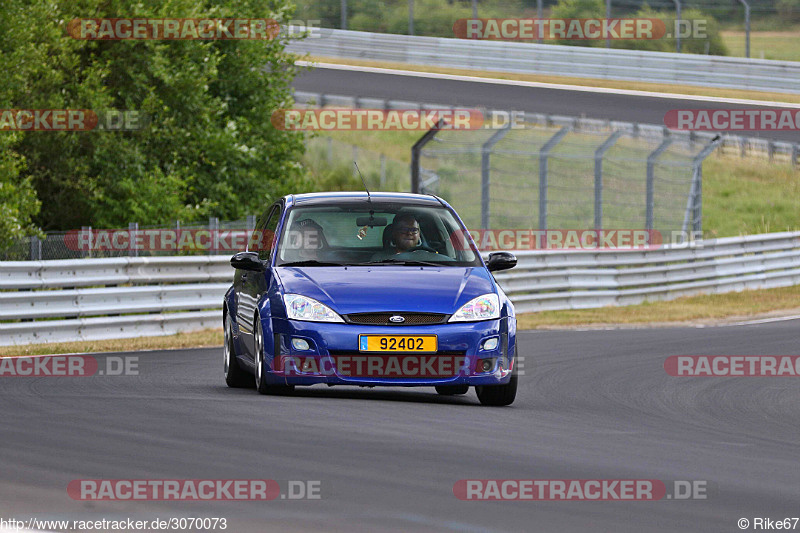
(397, 319)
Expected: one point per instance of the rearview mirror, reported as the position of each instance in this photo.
(248, 261)
(371, 221)
(501, 261)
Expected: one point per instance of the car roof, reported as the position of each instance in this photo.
(322, 198)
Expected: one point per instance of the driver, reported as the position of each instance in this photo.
(405, 234)
(404, 237)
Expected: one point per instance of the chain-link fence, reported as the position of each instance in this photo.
(549, 176)
(331, 160)
(215, 237)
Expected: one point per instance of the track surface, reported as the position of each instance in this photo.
(592, 404)
(626, 108)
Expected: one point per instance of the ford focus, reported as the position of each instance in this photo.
(386, 289)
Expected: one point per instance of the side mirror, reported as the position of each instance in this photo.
(248, 261)
(501, 261)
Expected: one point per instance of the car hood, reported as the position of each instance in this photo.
(388, 288)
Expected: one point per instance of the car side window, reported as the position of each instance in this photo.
(266, 230)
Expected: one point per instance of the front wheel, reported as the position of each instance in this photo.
(235, 377)
(261, 382)
(498, 395)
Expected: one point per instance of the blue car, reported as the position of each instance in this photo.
(381, 289)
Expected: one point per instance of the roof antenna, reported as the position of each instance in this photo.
(369, 198)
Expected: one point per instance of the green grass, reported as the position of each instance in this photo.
(197, 339)
(709, 308)
(780, 45)
(749, 196)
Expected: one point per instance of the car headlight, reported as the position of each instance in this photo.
(300, 307)
(486, 307)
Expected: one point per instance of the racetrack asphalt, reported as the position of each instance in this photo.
(598, 105)
(591, 405)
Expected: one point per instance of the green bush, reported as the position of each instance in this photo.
(209, 149)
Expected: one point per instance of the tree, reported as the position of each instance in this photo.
(209, 148)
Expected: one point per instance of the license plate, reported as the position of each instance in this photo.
(398, 343)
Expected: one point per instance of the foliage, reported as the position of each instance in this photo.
(209, 148)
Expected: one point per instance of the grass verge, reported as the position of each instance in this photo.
(568, 80)
(197, 339)
(692, 309)
(779, 45)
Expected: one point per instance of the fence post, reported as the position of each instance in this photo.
(544, 153)
(746, 28)
(213, 230)
(539, 16)
(330, 150)
(133, 228)
(651, 163)
(87, 232)
(486, 151)
(355, 158)
(598, 177)
(35, 248)
(383, 170)
(415, 151)
(794, 155)
(694, 204)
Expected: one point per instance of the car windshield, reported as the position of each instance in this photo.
(376, 233)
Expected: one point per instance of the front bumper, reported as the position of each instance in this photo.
(331, 343)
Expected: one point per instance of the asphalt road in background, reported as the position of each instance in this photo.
(597, 105)
(592, 404)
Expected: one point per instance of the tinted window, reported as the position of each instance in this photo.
(343, 233)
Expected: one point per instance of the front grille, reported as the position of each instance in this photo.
(382, 319)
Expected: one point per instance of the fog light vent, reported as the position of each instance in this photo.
(300, 344)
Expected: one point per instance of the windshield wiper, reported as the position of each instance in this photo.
(406, 262)
(311, 262)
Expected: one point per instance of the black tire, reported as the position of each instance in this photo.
(261, 384)
(235, 377)
(452, 390)
(498, 395)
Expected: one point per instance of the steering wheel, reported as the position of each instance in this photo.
(422, 248)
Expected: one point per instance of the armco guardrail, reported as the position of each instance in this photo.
(91, 299)
(558, 60)
(88, 299)
(576, 279)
